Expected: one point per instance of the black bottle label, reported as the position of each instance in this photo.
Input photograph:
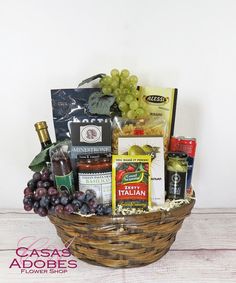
(176, 184)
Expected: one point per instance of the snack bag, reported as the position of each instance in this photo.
(131, 181)
(78, 105)
(81, 104)
(160, 102)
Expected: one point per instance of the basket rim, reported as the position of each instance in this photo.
(160, 215)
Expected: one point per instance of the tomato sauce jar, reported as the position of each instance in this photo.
(94, 174)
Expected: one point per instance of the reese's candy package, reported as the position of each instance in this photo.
(131, 181)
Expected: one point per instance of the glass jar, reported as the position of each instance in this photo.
(94, 174)
(176, 175)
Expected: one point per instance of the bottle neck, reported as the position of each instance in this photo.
(44, 138)
(46, 144)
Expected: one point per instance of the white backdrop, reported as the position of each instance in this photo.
(186, 44)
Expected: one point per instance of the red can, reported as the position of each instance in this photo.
(188, 146)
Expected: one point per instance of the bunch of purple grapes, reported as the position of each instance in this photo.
(42, 196)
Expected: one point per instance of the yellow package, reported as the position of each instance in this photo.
(160, 102)
(131, 183)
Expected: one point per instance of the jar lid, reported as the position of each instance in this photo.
(177, 154)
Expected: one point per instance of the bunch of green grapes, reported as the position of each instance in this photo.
(124, 87)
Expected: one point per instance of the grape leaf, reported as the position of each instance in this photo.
(40, 160)
(100, 104)
(38, 167)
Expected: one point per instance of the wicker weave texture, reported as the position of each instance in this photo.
(121, 241)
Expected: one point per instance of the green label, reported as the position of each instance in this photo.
(133, 177)
(65, 183)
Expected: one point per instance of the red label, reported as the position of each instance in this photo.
(186, 146)
(132, 191)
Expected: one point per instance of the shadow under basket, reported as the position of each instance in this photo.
(121, 241)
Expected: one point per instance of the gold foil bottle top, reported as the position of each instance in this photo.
(40, 125)
(42, 130)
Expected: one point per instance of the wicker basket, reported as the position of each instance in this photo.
(121, 241)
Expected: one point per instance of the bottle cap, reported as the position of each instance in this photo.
(40, 125)
(42, 131)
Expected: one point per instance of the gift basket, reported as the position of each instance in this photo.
(116, 183)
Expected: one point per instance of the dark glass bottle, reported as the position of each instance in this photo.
(61, 167)
(42, 131)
